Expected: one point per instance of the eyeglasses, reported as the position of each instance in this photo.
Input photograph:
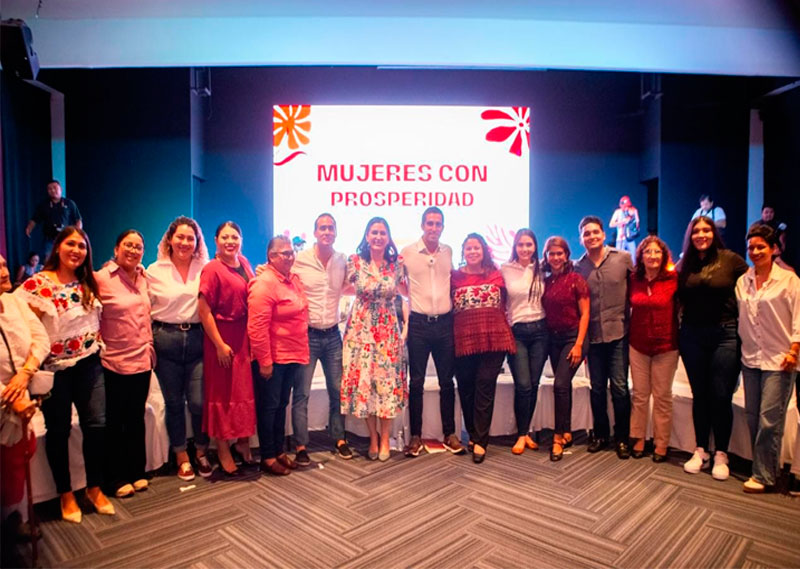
(133, 247)
(285, 254)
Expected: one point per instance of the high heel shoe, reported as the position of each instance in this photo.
(532, 444)
(567, 440)
(70, 511)
(372, 454)
(100, 502)
(241, 458)
(384, 455)
(557, 451)
(519, 446)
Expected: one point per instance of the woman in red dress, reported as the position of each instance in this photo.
(229, 405)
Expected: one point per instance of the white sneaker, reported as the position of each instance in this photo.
(720, 470)
(700, 459)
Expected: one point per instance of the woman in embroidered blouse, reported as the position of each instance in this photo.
(653, 344)
(482, 337)
(25, 345)
(64, 296)
(374, 373)
(566, 306)
(525, 285)
(707, 340)
(229, 406)
(769, 326)
(174, 284)
(128, 361)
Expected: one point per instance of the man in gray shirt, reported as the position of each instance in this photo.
(606, 271)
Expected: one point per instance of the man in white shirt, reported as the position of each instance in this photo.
(430, 328)
(322, 272)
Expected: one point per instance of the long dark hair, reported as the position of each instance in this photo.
(666, 256)
(390, 254)
(690, 258)
(84, 273)
(487, 264)
(536, 283)
(556, 241)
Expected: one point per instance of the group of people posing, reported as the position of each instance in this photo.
(237, 345)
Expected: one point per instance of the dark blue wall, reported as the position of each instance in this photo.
(127, 150)
(130, 139)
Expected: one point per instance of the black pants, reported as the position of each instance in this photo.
(711, 355)
(126, 396)
(477, 381)
(560, 345)
(272, 397)
(431, 337)
(83, 385)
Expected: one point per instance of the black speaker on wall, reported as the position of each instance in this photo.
(16, 50)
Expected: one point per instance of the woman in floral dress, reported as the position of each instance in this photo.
(373, 381)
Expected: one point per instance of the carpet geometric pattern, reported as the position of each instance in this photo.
(589, 510)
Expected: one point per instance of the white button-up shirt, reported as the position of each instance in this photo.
(323, 286)
(521, 305)
(428, 278)
(174, 301)
(769, 318)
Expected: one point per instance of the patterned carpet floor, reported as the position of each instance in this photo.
(439, 511)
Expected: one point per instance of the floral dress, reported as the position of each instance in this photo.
(374, 371)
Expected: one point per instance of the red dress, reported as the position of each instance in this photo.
(229, 410)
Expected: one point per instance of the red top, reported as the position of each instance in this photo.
(479, 318)
(277, 319)
(654, 314)
(225, 290)
(560, 300)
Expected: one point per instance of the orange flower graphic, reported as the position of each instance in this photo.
(288, 121)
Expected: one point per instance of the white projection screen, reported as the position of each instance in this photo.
(357, 162)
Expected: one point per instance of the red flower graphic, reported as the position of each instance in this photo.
(73, 345)
(57, 348)
(517, 123)
(46, 292)
(29, 285)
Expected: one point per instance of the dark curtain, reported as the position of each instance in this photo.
(26, 162)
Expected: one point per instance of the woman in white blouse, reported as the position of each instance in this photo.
(25, 345)
(174, 284)
(64, 297)
(769, 327)
(525, 286)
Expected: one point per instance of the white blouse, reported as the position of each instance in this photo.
(174, 301)
(73, 330)
(519, 306)
(25, 333)
(769, 318)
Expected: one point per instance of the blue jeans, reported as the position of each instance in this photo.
(711, 357)
(608, 363)
(272, 397)
(533, 343)
(82, 384)
(325, 346)
(766, 395)
(179, 367)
